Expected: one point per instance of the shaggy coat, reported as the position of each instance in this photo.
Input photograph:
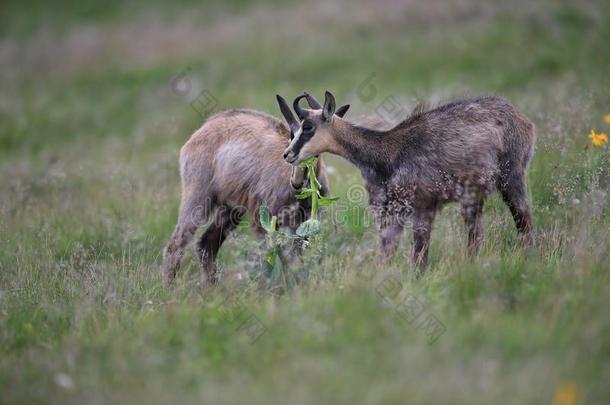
(228, 168)
(461, 151)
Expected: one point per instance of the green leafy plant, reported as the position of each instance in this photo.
(276, 239)
(273, 257)
(312, 225)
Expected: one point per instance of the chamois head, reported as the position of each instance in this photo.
(299, 175)
(312, 136)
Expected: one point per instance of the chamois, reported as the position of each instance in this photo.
(461, 151)
(229, 167)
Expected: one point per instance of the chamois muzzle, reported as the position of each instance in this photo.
(289, 156)
(298, 178)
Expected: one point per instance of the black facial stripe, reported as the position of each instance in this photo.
(303, 139)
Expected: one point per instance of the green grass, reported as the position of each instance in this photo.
(90, 130)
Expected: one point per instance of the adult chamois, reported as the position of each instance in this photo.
(229, 167)
(460, 151)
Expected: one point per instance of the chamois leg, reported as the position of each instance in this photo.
(391, 232)
(191, 216)
(225, 220)
(422, 228)
(514, 194)
(472, 213)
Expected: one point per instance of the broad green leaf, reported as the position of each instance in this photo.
(277, 268)
(324, 201)
(308, 228)
(265, 217)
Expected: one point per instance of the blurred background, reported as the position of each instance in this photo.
(96, 98)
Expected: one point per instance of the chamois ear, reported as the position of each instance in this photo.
(342, 110)
(329, 106)
(287, 113)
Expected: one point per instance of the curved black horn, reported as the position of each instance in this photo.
(297, 108)
(311, 100)
(287, 113)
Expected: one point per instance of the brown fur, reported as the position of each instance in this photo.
(461, 151)
(229, 167)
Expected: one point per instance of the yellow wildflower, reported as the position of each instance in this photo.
(566, 394)
(607, 118)
(598, 139)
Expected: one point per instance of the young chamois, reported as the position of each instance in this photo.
(229, 167)
(461, 151)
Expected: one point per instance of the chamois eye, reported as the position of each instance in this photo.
(307, 127)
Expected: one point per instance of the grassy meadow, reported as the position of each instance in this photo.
(96, 98)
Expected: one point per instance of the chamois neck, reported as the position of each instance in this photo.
(365, 147)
